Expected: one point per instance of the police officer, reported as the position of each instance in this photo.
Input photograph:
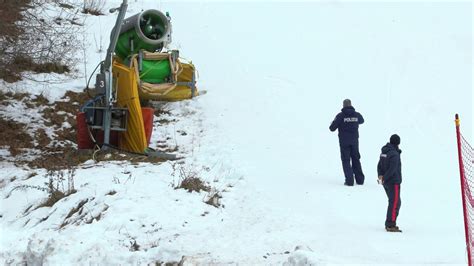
(347, 122)
(389, 170)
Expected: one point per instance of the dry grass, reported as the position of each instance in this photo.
(40, 100)
(162, 114)
(66, 157)
(41, 138)
(193, 184)
(54, 197)
(19, 96)
(75, 97)
(55, 187)
(214, 199)
(14, 135)
(111, 193)
(115, 155)
(93, 7)
(32, 174)
(76, 209)
(134, 246)
(54, 114)
(52, 118)
(80, 214)
(10, 13)
(66, 6)
(161, 111)
(65, 111)
(19, 64)
(61, 151)
(170, 263)
(58, 158)
(22, 63)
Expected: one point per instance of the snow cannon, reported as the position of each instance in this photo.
(149, 30)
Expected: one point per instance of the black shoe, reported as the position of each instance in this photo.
(393, 229)
(359, 180)
(347, 184)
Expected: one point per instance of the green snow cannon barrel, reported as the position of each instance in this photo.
(149, 30)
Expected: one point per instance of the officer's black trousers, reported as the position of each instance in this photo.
(394, 203)
(350, 152)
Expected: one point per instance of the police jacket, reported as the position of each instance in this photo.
(390, 165)
(347, 122)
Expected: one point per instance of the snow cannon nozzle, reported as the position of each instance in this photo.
(149, 30)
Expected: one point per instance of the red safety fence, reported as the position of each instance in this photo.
(466, 170)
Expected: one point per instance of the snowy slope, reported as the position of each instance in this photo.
(276, 75)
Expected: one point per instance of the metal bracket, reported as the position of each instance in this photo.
(95, 118)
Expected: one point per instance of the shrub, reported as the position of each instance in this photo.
(193, 184)
(32, 38)
(93, 7)
(190, 181)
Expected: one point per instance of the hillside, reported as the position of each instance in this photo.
(275, 76)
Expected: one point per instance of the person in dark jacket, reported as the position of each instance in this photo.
(347, 122)
(389, 170)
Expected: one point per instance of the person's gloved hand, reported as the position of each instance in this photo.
(380, 180)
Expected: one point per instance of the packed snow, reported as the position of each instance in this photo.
(276, 74)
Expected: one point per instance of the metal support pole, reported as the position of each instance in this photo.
(107, 69)
(193, 85)
(463, 189)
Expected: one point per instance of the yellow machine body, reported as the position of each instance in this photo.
(126, 86)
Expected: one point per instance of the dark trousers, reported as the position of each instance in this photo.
(394, 203)
(351, 152)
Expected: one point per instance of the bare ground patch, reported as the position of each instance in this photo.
(59, 148)
(20, 136)
(14, 136)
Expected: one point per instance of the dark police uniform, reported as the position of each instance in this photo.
(390, 167)
(347, 122)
